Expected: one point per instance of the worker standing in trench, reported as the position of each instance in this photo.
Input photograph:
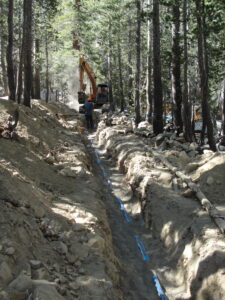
(88, 111)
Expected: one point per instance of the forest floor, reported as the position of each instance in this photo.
(95, 215)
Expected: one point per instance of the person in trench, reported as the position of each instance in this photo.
(88, 111)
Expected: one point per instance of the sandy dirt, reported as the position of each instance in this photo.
(190, 259)
(65, 235)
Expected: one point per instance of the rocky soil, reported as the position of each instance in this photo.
(193, 264)
(55, 241)
(55, 237)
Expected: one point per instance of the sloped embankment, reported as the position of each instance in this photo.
(194, 266)
(55, 241)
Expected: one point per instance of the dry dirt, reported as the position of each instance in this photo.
(63, 237)
(55, 241)
(192, 262)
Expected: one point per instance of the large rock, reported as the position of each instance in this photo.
(21, 284)
(46, 292)
(97, 242)
(5, 274)
(73, 171)
(79, 251)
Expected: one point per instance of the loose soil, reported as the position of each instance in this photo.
(63, 235)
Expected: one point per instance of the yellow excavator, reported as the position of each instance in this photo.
(98, 93)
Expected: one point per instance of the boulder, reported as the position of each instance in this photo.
(46, 292)
(5, 274)
(35, 264)
(97, 242)
(21, 284)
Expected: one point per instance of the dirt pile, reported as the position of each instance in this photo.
(55, 241)
(194, 263)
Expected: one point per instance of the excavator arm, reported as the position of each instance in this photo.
(85, 67)
(99, 94)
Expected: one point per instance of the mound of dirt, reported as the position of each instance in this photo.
(193, 266)
(55, 241)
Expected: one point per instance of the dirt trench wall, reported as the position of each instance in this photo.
(55, 240)
(195, 249)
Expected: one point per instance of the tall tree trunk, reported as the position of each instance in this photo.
(176, 86)
(130, 71)
(110, 70)
(20, 75)
(157, 89)
(27, 36)
(19, 85)
(187, 115)
(149, 97)
(37, 85)
(122, 101)
(3, 65)
(10, 67)
(223, 111)
(47, 68)
(138, 64)
(203, 69)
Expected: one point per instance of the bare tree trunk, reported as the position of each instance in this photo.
(110, 76)
(203, 69)
(3, 65)
(20, 76)
(176, 86)
(157, 91)
(187, 115)
(10, 67)
(27, 36)
(37, 85)
(223, 111)
(19, 85)
(149, 73)
(47, 69)
(138, 64)
(122, 101)
(130, 71)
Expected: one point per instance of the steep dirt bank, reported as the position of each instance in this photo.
(193, 265)
(55, 241)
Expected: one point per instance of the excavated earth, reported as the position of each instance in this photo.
(191, 264)
(62, 235)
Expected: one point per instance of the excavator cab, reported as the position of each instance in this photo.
(102, 96)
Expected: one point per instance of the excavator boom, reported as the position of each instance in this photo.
(99, 94)
(85, 67)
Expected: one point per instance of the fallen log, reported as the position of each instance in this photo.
(217, 218)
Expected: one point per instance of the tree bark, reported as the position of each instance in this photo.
(203, 69)
(47, 68)
(223, 112)
(19, 86)
(109, 66)
(157, 89)
(149, 97)
(37, 84)
(3, 65)
(187, 115)
(27, 36)
(138, 64)
(122, 101)
(176, 86)
(130, 71)
(9, 55)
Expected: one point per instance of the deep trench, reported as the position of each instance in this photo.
(138, 252)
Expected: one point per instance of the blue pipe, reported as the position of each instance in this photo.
(141, 247)
(158, 287)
